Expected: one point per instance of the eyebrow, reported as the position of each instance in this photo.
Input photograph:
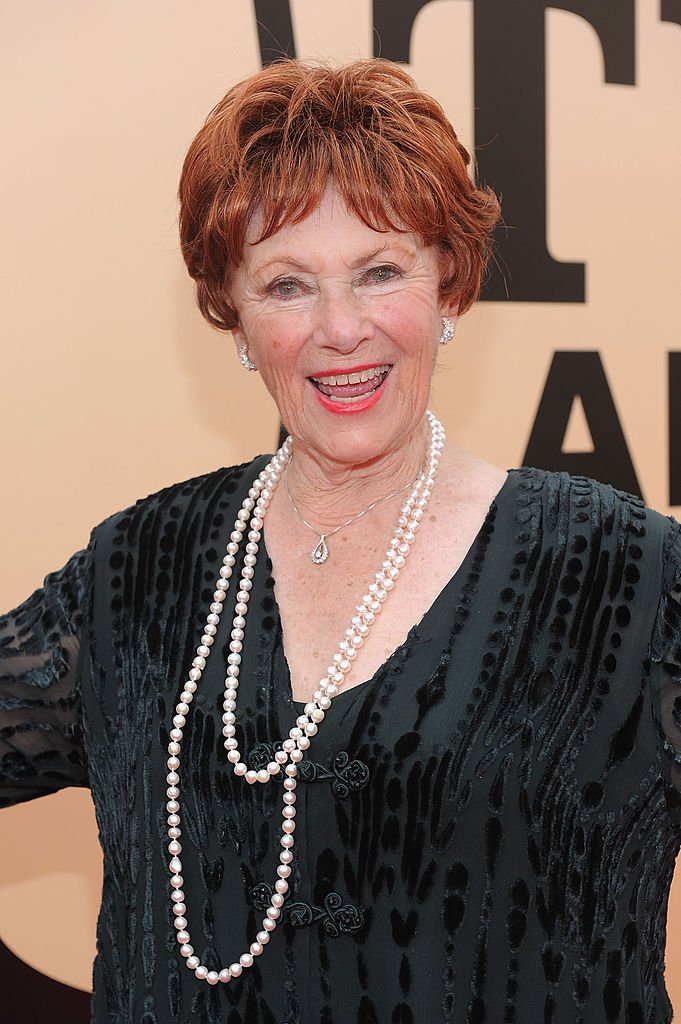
(361, 261)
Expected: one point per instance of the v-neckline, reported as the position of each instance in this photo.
(450, 584)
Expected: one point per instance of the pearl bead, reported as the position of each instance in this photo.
(183, 938)
(224, 975)
(192, 962)
(256, 949)
(240, 768)
(251, 777)
(269, 925)
(186, 949)
(212, 977)
(201, 972)
(235, 970)
(246, 960)
(263, 938)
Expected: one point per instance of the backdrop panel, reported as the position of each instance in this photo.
(113, 387)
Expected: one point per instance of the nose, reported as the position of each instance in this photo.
(342, 322)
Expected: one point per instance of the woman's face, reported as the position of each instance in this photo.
(343, 324)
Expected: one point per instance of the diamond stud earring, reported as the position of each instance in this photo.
(448, 330)
(245, 361)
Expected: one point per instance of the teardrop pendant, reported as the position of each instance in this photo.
(320, 552)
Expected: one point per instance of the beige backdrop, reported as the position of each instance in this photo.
(113, 387)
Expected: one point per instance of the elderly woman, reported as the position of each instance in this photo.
(375, 731)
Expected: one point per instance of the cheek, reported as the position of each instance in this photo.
(276, 342)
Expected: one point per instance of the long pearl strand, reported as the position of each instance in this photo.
(250, 520)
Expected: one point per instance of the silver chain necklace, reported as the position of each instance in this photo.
(320, 552)
(249, 521)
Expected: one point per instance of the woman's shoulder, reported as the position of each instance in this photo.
(584, 513)
(199, 504)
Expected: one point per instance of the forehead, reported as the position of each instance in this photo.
(331, 228)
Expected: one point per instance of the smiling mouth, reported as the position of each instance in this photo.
(351, 387)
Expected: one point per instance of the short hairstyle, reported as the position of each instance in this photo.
(276, 141)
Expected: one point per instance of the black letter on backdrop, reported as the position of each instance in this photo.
(675, 427)
(670, 10)
(26, 994)
(510, 122)
(571, 374)
(275, 30)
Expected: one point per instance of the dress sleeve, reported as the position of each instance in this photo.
(666, 667)
(41, 746)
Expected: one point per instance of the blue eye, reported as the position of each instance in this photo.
(383, 273)
(284, 288)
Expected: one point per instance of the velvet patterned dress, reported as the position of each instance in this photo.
(486, 829)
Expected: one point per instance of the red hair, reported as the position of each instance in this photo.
(275, 142)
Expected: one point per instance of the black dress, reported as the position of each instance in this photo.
(486, 830)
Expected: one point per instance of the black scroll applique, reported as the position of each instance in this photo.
(346, 776)
(335, 916)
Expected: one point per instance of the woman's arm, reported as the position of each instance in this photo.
(666, 669)
(40, 731)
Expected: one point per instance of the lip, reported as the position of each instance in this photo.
(340, 409)
(338, 370)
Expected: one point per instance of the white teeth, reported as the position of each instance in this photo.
(353, 378)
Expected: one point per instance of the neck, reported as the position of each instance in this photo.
(328, 492)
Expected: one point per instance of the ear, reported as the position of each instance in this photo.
(450, 307)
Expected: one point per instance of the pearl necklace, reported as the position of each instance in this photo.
(250, 518)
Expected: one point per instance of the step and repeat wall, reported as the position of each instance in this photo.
(112, 385)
